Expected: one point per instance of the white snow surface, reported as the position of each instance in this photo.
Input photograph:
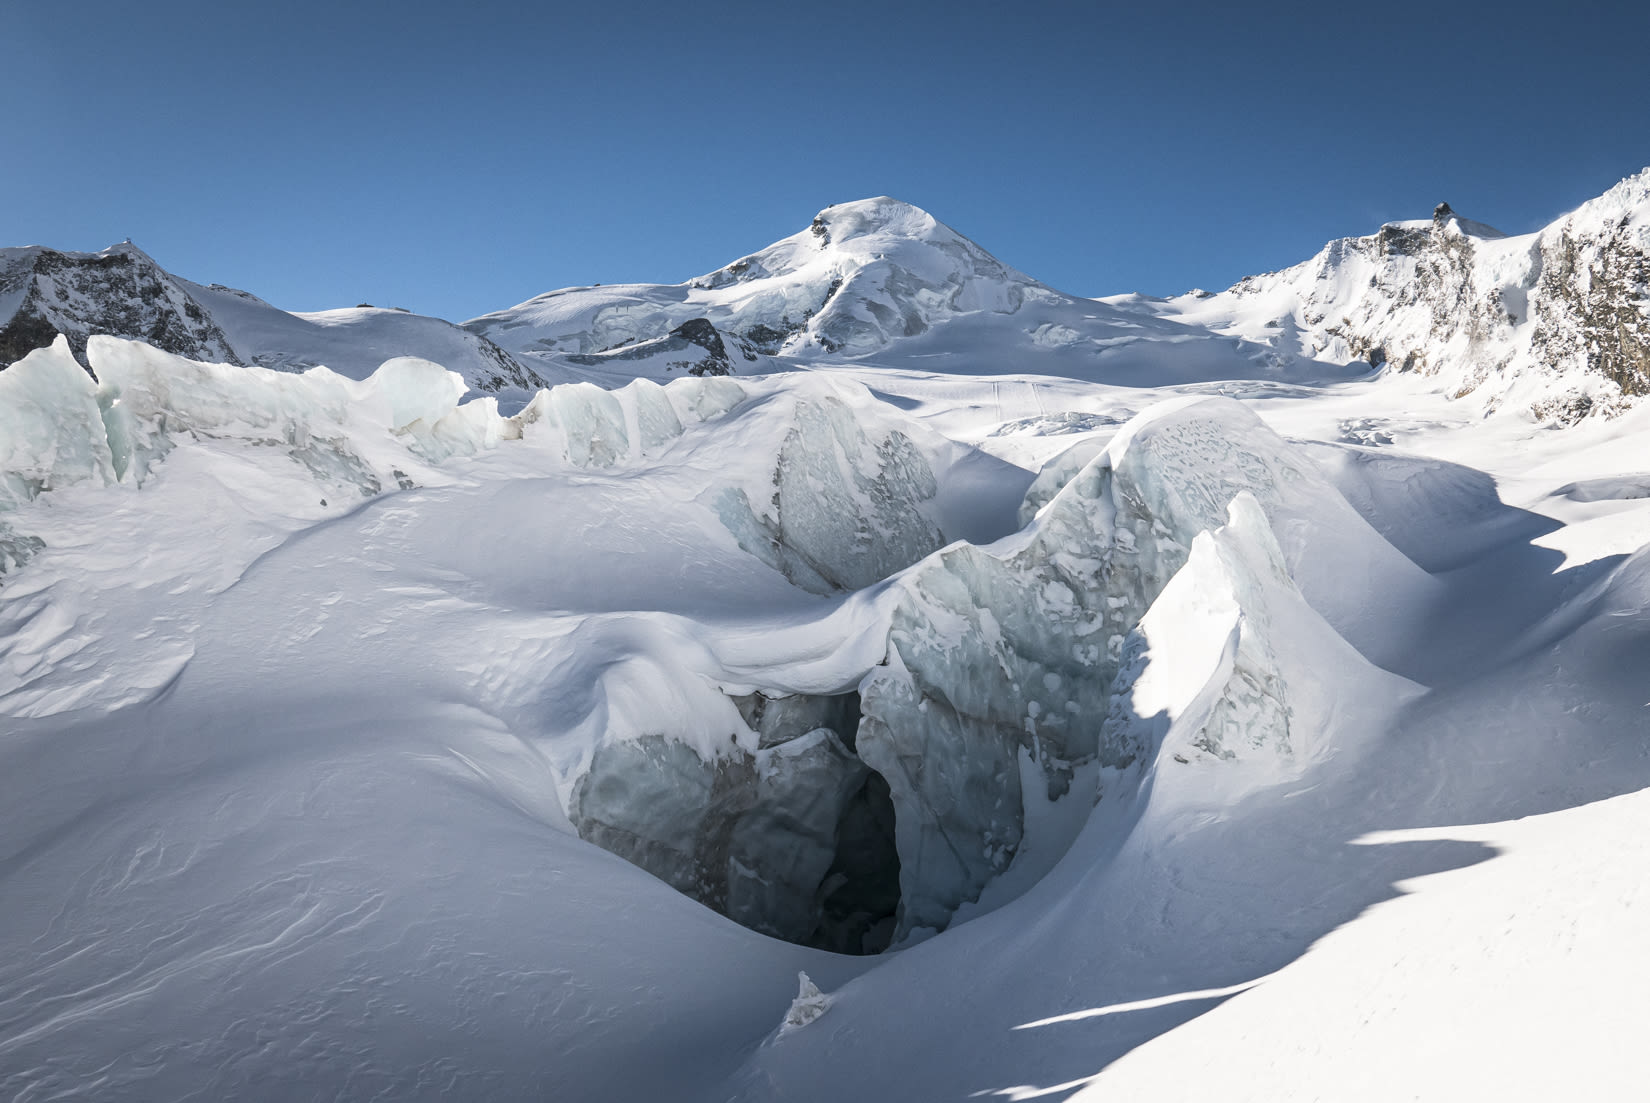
(881, 282)
(301, 672)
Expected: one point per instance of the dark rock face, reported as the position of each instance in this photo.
(696, 341)
(507, 370)
(1594, 304)
(699, 331)
(26, 332)
(120, 292)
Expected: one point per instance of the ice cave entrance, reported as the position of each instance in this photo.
(795, 840)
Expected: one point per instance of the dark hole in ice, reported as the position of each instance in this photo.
(796, 841)
(860, 893)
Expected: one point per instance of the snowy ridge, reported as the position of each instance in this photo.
(122, 292)
(878, 281)
(354, 341)
(1553, 323)
(1090, 731)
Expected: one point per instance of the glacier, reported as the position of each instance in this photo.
(803, 821)
(1062, 688)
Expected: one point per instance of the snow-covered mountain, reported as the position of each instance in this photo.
(122, 292)
(1555, 323)
(119, 291)
(880, 282)
(1183, 699)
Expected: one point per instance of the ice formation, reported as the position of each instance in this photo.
(843, 820)
(850, 502)
(51, 435)
(810, 1004)
(1201, 660)
(1015, 646)
(753, 834)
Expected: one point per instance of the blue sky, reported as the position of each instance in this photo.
(457, 158)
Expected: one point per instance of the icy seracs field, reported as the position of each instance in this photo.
(1240, 738)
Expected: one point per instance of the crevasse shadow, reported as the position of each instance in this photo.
(1532, 676)
(1151, 920)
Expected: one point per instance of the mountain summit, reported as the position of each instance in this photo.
(1556, 321)
(882, 282)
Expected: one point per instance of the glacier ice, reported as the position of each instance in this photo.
(844, 820)
(1016, 646)
(587, 422)
(753, 835)
(1201, 659)
(850, 821)
(810, 1004)
(51, 435)
(52, 429)
(851, 501)
(1055, 474)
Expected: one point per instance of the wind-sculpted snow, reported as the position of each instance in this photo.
(1202, 659)
(1014, 648)
(803, 819)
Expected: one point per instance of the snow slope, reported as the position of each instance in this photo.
(1232, 735)
(122, 292)
(880, 281)
(1554, 323)
(354, 341)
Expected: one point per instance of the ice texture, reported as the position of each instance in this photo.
(1202, 659)
(851, 501)
(51, 435)
(1056, 474)
(1015, 646)
(810, 1004)
(51, 429)
(751, 835)
(777, 719)
(588, 423)
(153, 398)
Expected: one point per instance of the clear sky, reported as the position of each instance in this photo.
(455, 158)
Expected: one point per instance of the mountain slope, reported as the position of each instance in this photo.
(1555, 322)
(879, 281)
(122, 292)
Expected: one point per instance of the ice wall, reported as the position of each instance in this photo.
(1201, 661)
(1015, 647)
(754, 835)
(51, 435)
(850, 501)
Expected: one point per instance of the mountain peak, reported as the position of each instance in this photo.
(881, 215)
(127, 249)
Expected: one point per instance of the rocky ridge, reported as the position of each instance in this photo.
(1555, 323)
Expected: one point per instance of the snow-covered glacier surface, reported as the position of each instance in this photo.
(358, 739)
